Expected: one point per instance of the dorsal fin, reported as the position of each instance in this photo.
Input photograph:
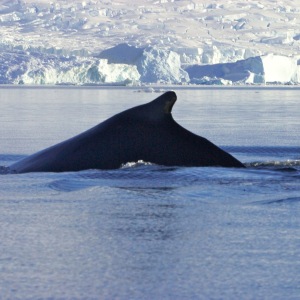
(164, 103)
(155, 110)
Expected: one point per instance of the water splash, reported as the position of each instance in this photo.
(136, 164)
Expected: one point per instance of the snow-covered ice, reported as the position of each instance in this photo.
(165, 41)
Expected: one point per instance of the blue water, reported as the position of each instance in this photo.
(147, 231)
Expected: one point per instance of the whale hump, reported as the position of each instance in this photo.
(146, 132)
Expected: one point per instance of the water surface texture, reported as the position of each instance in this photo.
(147, 231)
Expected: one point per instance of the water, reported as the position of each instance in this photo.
(146, 231)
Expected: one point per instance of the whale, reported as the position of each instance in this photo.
(146, 133)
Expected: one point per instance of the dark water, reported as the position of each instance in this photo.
(147, 231)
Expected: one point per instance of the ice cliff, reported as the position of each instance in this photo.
(254, 70)
(144, 42)
(126, 64)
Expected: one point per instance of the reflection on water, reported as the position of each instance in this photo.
(155, 221)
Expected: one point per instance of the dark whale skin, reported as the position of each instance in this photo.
(147, 132)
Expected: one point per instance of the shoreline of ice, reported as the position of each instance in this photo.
(151, 65)
(154, 88)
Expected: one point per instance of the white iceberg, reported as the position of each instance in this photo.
(255, 70)
(160, 65)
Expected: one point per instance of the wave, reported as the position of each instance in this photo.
(287, 165)
(263, 150)
(289, 200)
(69, 185)
(290, 164)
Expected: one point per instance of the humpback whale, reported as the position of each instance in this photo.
(147, 132)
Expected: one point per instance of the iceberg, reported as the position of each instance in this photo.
(255, 70)
(20, 67)
(280, 69)
(154, 64)
(141, 66)
(161, 66)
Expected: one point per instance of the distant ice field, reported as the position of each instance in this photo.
(146, 231)
(171, 42)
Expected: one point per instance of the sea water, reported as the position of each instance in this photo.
(147, 231)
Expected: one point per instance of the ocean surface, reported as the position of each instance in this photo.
(147, 231)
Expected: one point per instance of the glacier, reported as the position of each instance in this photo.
(149, 42)
(141, 66)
